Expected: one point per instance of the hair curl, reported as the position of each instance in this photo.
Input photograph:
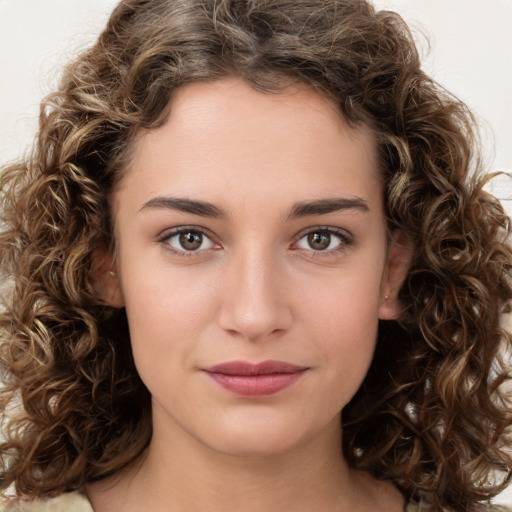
(431, 416)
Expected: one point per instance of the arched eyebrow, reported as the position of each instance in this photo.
(301, 209)
(201, 208)
(326, 206)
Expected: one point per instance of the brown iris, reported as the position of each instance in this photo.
(319, 241)
(191, 240)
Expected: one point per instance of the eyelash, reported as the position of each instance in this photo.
(166, 238)
(345, 241)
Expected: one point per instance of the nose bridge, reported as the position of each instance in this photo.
(253, 305)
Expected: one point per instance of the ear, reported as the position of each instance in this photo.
(399, 261)
(106, 278)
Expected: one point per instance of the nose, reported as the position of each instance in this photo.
(254, 306)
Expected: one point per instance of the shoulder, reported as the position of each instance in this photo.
(69, 502)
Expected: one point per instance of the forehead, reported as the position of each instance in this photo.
(234, 96)
(225, 132)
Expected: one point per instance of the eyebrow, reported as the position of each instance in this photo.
(201, 208)
(298, 210)
(326, 206)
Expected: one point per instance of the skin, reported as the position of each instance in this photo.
(254, 289)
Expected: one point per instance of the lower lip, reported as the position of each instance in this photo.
(256, 385)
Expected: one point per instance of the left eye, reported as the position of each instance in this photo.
(322, 240)
(189, 240)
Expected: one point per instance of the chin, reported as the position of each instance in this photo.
(262, 446)
(266, 437)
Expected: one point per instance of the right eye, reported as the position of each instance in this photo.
(188, 240)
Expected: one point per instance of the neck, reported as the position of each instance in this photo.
(189, 476)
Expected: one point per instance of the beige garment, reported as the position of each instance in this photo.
(70, 502)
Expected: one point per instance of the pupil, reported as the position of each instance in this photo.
(191, 241)
(319, 241)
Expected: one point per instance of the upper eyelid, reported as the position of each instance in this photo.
(169, 232)
(336, 231)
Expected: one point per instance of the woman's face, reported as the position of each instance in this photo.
(253, 264)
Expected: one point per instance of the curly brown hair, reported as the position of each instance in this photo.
(432, 414)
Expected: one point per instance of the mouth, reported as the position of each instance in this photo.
(255, 380)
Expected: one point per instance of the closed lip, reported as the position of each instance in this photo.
(255, 380)
(247, 369)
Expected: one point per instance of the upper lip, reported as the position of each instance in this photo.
(248, 369)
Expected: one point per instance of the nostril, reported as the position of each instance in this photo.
(261, 324)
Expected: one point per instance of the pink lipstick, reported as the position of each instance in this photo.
(255, 380)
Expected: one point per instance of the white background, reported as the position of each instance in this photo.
(470, 54)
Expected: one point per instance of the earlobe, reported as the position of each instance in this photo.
(397, 266)
(106, 279)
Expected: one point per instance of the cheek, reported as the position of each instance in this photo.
(346, 302)
(343, 324)
(166, 314)
(350, 338)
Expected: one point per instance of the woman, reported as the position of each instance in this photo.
(250, 265)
